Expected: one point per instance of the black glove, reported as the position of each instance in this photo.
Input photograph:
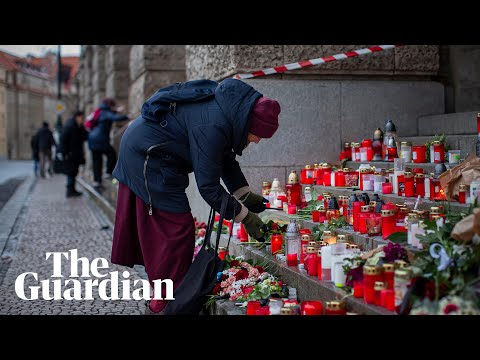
(254, 202)
(254, 226)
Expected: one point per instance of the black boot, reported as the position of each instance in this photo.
(71, 192)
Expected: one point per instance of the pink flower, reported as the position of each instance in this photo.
(247, 290)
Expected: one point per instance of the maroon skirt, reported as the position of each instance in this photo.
(163, 242)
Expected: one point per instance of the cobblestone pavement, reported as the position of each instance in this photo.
(10, 169)
(49, 222)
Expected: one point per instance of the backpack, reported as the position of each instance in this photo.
(92, 119)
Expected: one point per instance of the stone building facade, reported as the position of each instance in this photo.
(322, 106)
(28, 96)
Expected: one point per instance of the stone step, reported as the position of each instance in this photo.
(462, 123)
(424, 204)
(427, 167)
(308, 287)
(465, 143)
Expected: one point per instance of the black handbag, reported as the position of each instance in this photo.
(59, 166)
(198, 283)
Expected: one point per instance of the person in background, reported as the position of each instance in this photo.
(71, 146)
(45, 141)
(199, 126)
(35, 156)
(99, 141)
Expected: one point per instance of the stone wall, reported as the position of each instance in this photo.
(220, 61)
(153, 67)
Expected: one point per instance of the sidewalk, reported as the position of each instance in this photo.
(49, 222)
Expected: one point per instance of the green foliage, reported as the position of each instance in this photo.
(398, 237)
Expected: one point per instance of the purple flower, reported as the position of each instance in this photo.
(353, 275)
(394, 252)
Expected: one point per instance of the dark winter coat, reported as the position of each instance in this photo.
(99, 137)
(34, 146)
(44, 139)
(197, 126)
(71, 146)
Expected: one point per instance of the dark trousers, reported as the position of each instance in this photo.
(97, 159)
(71, 182)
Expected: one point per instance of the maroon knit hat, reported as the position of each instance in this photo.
(264, 117)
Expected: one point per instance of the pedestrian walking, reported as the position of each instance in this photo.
(99, 140)
(35, 156)
(198, 126)
(72, 138)
(45, 141)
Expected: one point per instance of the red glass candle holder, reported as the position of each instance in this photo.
(388, 275)
(420, 185)
(358, 289)
(252, 307)
(438, 152)
(462, 197)
(294, 194)
(319, 264)
(379, 286)
(307, 174)
(340, 178)
(327, 177)
(222, 253)
(357, 205)
(387, 188)
(371, 274)
(335, 308)
(409, 185)
(322, 217)
(292, 209)
(311, 261)
(401, 185)
(315, 216)
(264, 310)
(276, 243)
(388, 223)
(318, 176)
(243, 234)
(419, 154)
(311, 308)
(292, 259)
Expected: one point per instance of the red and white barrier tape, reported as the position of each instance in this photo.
(318, 61)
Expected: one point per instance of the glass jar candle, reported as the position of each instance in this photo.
(436, 191)
(378, 180)
(419, 154)
(348, 149)
(388, 275)
(374, 224)
(306, 175)
(252, 307)
(400, 264)
(327, 175)
(308, 194)
(351, 200)
(293, 189)
(358, 289)
(371, 274)
(402, 213)
(322, 216)
(379, 286)
(428, 181)
(387, 187)
(335, 308)
(333, 211)
(318, 174)
(363, 172)
(311, 261)
(351, 177)
(462, 194)
(275, 306)
(401, 184)
(420, 185)
(362, 219)
(342, 239)
(329, 237)
(401, 285)
(304, 240)
(388, 299)
(319, 263)
(438, 152)
(409, 184)
(332, 178)
(412, 226)
(357, 208)
(406, 151)
(266, 186)
(276, 243)
(368, 182)
(243, 234)
(388, 223)
(292, 242)
(454, 156)
(356, 152)
(326, 253)
(340, 178)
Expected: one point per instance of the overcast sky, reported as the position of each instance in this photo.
(39, 50)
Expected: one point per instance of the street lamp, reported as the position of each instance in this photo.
(59, 89)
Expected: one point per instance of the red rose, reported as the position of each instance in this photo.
(280, 284)
(202, 232)
(216, 289)
(259, 268)
(450, 308)
(234, 263)
(241, 274)
(247, 290)
(224, 277)
(275, 226)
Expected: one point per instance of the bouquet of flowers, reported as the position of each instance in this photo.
(242, 281)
